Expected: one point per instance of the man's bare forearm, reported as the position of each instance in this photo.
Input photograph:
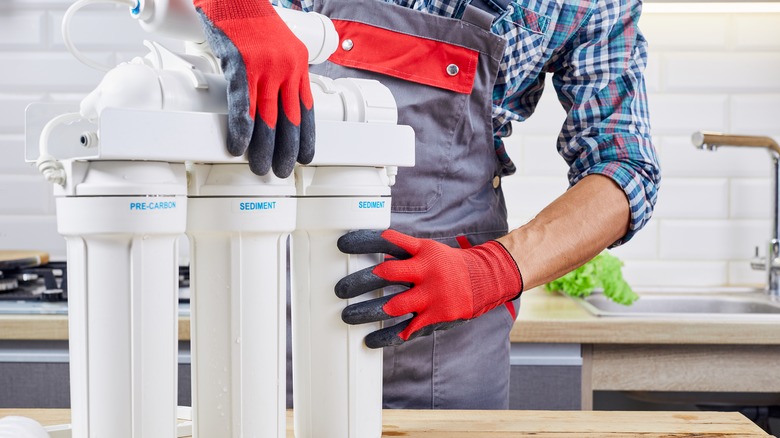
(570, 231)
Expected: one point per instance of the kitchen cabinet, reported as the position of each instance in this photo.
(36, 374)
(545, 376)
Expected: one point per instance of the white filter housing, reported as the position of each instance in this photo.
(338, 380)
(238, 224)
(121, 229)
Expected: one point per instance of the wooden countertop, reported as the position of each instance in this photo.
(543, 318)
(52, 327)
(540, 424)
(34, 327)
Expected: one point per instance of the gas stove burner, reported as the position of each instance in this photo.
(49, 283)
(27, 276)
(45, 282)
(52, 295)
(8, 284)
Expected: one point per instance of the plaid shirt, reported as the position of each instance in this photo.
(596, 55)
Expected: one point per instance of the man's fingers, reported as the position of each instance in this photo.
(306, 151)
(400, 333)
(362, 281)
(241, 121)
(369, 242)
(386, 337)
(366, 311)
(288, 140)
(261, 148)
(240, 128)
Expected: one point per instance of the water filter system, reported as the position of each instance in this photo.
(143, 161)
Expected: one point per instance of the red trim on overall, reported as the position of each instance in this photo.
(406, 57)
(464, 243)
(511, 308)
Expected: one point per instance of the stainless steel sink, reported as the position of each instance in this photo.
(689, 302)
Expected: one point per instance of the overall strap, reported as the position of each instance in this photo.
(483, 13)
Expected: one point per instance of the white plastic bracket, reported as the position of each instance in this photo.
(59, 431)
(165, 59)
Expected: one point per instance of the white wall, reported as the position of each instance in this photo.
(716, 72)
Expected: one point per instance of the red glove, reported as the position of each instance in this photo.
(266, 67)
(448, 286)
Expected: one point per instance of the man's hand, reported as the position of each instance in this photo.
(270, 107)
(447, 286)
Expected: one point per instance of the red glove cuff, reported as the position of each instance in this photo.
(495, 276)
(222, 10)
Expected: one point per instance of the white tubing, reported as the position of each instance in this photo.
(52, 169)
(66, 30)
(315, 31)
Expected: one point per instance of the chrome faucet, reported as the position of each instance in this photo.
(771, 263)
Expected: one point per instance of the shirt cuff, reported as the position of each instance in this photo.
(640, 192)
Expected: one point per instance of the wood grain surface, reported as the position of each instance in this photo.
(511, 424)
(34, 327)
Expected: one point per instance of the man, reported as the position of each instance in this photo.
(460, 72)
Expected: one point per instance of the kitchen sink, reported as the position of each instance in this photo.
(689, 302)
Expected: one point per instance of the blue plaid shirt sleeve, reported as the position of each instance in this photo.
(599, 81)
(301, 5)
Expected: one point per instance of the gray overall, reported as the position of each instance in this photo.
(452, 191)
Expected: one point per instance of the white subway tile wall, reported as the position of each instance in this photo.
(706, 72)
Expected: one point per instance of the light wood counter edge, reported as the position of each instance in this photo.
(474, 424)
(34, 327)
(53, 328)
(553, 318)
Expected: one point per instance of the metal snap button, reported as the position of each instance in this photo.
(347, 45)
(452, 69)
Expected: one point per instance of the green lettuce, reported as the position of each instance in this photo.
(603, 271)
